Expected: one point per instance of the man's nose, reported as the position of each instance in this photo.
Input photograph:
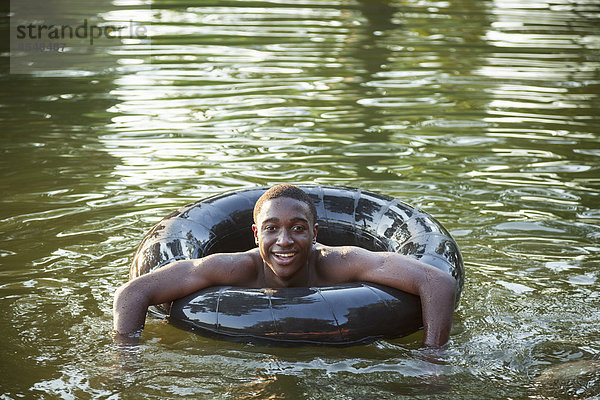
(284, 238)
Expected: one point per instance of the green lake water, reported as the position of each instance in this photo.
(486, 114)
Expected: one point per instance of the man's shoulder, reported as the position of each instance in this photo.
(246, 258)
(334, 253)
(336, 264)
(238, 269)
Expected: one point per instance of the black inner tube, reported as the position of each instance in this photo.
(341, 314)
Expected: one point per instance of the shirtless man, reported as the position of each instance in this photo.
(288, 254)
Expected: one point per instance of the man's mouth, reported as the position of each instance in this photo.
(284, 256)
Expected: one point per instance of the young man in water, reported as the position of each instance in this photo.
(287, 255)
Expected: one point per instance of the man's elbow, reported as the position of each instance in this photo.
(134, 292)
(449, 281)
(448, 286)
(129, 307)
(439, 285)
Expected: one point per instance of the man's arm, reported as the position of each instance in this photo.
(174, 281)
(436, 288)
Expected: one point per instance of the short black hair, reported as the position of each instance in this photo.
(285, 190)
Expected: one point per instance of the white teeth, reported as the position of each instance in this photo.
(284, 254)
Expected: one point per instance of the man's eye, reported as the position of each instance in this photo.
(299, 228)
(269, 228)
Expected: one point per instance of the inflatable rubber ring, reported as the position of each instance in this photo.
(335, 315)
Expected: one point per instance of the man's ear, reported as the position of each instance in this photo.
(315, 230)
(255, 230)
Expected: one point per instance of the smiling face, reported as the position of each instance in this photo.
(285, 233)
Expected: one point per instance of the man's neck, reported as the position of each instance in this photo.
(300, 279)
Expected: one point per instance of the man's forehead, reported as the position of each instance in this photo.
(282, 206)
